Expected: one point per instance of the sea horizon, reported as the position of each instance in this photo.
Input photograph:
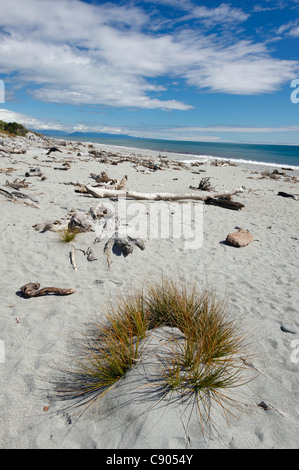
(261, 154)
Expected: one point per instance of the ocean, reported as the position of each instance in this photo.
(263, 154)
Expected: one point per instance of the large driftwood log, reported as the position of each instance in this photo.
(112, 193)
(33, 290)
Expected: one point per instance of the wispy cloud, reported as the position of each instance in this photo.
(69, 51)
(223, 14)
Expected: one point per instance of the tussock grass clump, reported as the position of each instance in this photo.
(198, 365)
(67, 236)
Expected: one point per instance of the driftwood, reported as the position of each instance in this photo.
(8, 170)
(124, 242)
(224, 201)
(113, 193)
(103, 178)
(20, 195)
(281, 193)
(17, 184)
(12, 150)
(73, 260)
(33, 290)
(108, 250)
(53, 226)
(79, 188)
(80, 223)
(6, 193)
(204, 185)
(106, 182)
(53, 149)
(14, 195)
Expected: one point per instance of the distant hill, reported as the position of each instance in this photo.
(50, 132)
(96, 135)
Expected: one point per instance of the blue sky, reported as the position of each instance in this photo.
(168, 69)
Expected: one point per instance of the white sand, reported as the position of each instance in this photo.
(260, 280)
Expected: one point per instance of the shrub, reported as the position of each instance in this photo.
(13, 128)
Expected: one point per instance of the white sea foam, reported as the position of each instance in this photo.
(199, 158)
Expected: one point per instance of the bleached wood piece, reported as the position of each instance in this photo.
(108, 250)
(73, 260)
(113, 193)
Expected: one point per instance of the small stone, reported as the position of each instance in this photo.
(288, 328)
(266, 406)
(240, 238)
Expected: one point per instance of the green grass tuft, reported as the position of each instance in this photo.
(200, 363)
(66, 236)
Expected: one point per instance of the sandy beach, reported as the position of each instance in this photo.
(260, 281)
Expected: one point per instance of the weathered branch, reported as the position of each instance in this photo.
(33, 290)
(225, 202)
(293, 196)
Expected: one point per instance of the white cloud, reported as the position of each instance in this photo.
(222, 15)
(46, 124)
(239, 129)
(28, 121)
(198, 134)
(294, 32)
(290, 29)
(79, 53)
